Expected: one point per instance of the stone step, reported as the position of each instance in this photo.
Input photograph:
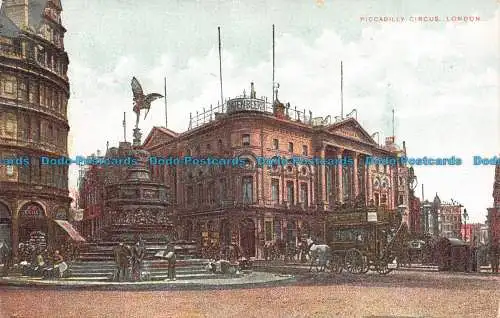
(152, 273)
(153, 277)
(151, 270)
(147, 262)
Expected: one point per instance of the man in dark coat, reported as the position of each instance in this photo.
(494, 254)
(138, 253)
(172, 259)
(121, 254)
(6, 255)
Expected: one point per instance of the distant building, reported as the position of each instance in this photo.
(441, 218)
(91, 199)
(427, 219)
(450, 219)
(475, 230)
(484, 234)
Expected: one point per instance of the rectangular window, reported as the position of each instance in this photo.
(247, 189)
(276, 144)
(401, 201)
(200, 193)
(36, 130)
(22, 92)
(27, 128)
(384, 199)
(245, 140)
(222, 195)
(33, 92)
(189, 195)
(328, 172)
(35, 172)
(376, 199)
(42, 95)
(277, 227)
(48, 97)
(304, 197)
(290, 147)
(275, 190)
(269, 230)
(289, 192)
(211, 192)
(304, 150)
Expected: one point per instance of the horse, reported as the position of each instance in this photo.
(320, 252)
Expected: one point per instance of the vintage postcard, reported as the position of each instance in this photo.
(267, 158)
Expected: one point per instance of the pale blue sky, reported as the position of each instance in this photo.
(444, 76)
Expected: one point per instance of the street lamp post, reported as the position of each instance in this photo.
(466, 216)
(401, 211)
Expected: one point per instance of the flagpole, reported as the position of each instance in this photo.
(393, 121)
(220, 71)
(341, 91)
(124, 128)
(165, 94)
(273, 67)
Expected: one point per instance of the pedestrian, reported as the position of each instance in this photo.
(6, 254)
(474, 255)
(494, 254)
(59, 263)
(138, 253)
(121, 254)
(171, 258)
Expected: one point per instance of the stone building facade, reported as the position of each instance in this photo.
(415, 218)
(450, 219)
(493, 219)
(34, 92)
(253, 203)
(91, 199)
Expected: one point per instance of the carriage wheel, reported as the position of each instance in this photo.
(354, 261)
(383, 267)
(336, 265)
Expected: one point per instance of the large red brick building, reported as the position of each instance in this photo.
(494, 212)
(252, 204)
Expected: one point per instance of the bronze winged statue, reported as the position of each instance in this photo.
(142, 101)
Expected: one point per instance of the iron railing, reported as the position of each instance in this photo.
(292, 113)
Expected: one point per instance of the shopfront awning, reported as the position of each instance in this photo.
(68, 228)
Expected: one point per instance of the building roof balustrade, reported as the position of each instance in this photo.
(244, 103)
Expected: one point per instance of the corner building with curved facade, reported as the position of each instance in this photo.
(34, 92)
(254, 204)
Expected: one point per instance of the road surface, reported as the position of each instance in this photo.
(399, 294)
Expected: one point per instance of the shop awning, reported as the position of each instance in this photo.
(68, 228)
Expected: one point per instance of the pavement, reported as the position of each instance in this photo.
(247, 280)
(301, 268)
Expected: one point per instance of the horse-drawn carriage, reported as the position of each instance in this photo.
(360, 240)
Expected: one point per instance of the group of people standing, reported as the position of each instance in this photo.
(133, 257)
(129, 256)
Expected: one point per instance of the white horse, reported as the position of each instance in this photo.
(318, 252)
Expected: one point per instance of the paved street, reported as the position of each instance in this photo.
(399, 294)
